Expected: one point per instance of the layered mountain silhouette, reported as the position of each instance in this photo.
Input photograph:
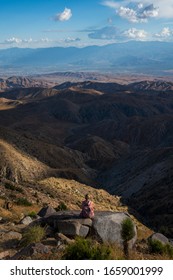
(112, 136)
(147, 57)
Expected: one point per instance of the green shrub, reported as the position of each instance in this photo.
(62, 206)
(157, 247)
(11, 187)
(32, 235)
(32, 214)
(127, 233)
(169, 250)
(23, 201)
(87, 249)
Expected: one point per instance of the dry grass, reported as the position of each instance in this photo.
(72, 193)
(6, 104)
(17, 212)
(20, 164)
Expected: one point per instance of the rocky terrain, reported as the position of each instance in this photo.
(21, 82)
(157, 85)
(47, 234)
(111, 136)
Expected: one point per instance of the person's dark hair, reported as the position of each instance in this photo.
(87, 196)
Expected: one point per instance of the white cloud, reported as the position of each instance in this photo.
(128, 14)
(27, 41)
(110, 4)
(149, 12)
(105, 33)
(140, 5)
(136, 34)
(164, 33)
(113, 33)
(138, 13)
(64, 16)
(135, 11)
(24, 42)
(72, 40)
(165, 8)
(13, 40)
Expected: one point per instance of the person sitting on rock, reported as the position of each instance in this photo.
(87, 208)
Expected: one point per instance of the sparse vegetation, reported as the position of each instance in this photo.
(62, 206)
(33, 234)
(9, 186)
(32, 214)
(127, 234)
(157, 247)
(12, 187)
(23, 201)
(87, 249)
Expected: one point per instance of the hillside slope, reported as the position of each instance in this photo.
(101, 135)
(17, 166)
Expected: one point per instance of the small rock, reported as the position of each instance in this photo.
(30, 251)
(49, 242)
(13, 235)
(46, 211)
(10, 239)
(64, 239)
(160, 237)
(26, 221)
(50, 231)
(4, 254)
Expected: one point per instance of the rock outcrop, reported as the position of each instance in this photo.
(108, 227)
(105, 226)
(45, 211)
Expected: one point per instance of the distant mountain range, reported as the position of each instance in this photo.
(143, 57)
(82, 80)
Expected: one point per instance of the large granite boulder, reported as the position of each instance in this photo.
(106, 226)
(69, 223)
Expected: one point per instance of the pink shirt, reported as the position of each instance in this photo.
(87, 209)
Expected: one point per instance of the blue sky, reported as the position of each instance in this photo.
(47, 23)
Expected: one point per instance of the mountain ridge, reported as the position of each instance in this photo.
(149, 57)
